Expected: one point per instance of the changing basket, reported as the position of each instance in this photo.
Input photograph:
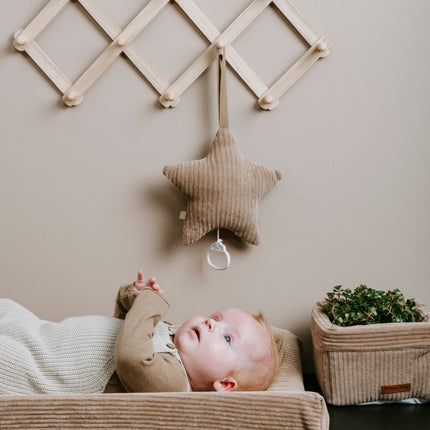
(286, 405)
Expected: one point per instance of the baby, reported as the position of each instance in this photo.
(136, 351)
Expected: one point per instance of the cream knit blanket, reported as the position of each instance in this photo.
(74, 356)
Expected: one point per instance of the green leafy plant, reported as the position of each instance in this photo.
(365, 305)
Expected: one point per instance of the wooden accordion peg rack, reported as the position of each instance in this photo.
(122, 42)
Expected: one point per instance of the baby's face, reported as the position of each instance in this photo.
(214, 348)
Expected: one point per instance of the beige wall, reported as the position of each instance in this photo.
(84, 203)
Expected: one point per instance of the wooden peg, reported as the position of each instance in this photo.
(268, 102)
(19, 41)
(121, 41)
(170, 97)
(323, 47)
(72, 98)
(220, 45)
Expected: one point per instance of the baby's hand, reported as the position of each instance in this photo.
(140, 284)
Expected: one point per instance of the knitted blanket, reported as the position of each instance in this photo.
(74, 356)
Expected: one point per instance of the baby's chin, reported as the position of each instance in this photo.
(184, 338)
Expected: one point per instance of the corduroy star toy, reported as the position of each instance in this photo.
(223, 189)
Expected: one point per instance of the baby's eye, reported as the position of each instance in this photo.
(227, 338)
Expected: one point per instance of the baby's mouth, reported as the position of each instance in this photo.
(196, 331)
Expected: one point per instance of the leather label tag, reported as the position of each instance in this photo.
(397, 388)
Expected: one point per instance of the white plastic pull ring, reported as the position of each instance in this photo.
(218, 246)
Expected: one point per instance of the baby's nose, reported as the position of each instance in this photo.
(210, 323)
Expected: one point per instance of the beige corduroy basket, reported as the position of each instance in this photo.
(366, 363)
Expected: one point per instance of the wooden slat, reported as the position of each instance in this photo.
(113, 30)
(210, 54)
(39, 22)
(58, 78)
(108, 56)
(247, 74)
(297, 20)
(270, 99)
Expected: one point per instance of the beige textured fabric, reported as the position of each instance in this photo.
(285, 406)
(75, 355)
(373, 362)
(223, 189)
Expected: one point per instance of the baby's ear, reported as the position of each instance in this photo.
(226, 384)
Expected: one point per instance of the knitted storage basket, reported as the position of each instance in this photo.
(366, 363)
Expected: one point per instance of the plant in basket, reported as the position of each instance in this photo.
(365, 305)
(371, 345)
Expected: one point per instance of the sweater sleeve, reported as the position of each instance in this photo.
(124, 301)
(138, 367)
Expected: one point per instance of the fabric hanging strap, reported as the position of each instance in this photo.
(222, 90)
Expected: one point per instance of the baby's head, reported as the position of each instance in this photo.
(231, 350)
